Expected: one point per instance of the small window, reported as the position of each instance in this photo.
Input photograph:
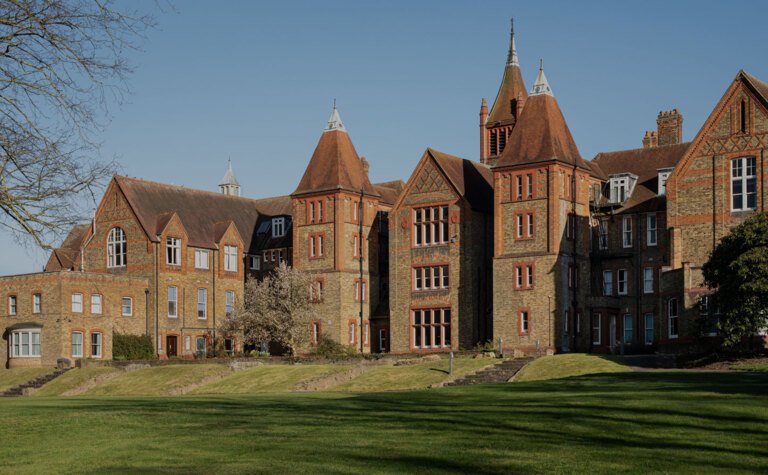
(649, 329)
(651, 232)
(597, 332)
(519, 181)
(77, 344)
(255, 262)
(202, 304)
(525, 324)
(743, 184)
(607, 282)
(230, 258)
(530, 224)
(278, 227)
(622, 281)
(315, 333)
(77, 303)
(173, 302)
(12, 305)
(96, 304)
(529, 187)
(201, 259)
(626, 224)
(648, 280)
(628, 329)
(187, 343)
(352, 332)
(602, 234)
(229, 346)
(229, 303)
(37, 303)
(95, 345)
(173, 251)
(127, 306)
(357, 291)
(674, 330)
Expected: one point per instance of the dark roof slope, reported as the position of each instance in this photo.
(643, 162)
(473, 180)
(201, 212)
(335, 165)
(390, 190)
(67, 255)
(541, 135)
(512, 87)
(760, 87)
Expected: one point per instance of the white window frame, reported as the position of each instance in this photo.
(13, 305)
(202, 259)
(529, 276)
(430, 221)
(525, 322)
(597, 325)
(619, 190)
(173, 311)
(622, 282)
(651, 232)
(77, 302)
(648, 280)
(628, 317)
(439, 325)
(744, 178)
(202, 303)
(529, 221)
(130, 306)
(352, 332)
(608, 283)
(117, 248)
(646, 328)
(17, 344)
(255, 262)
(626, 231)
(96, 304)
(173, 251)
(230, 258)
(519, 277)
(75, 354)
(98, 344)
(278, 227)
(520, 226)
(663, 177)
(671, 317)
(37, 303)
(229, 303)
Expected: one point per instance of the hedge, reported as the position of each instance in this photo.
(132, 347)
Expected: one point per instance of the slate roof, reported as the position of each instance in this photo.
(643, 162)
(205, 215)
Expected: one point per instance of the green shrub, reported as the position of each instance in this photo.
(333, 350)
(132, 347)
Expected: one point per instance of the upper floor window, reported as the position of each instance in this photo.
(524, 226)
(202, 303)
(316, 245)
(573, 277)
(619, 189)
(77, 303)
(96, 304)
(651, 232)
(626, 226)
(743, 184)
(529, 183)
(622, 281)
(37, 303)
(648, 280)
(255, 262)
(173, 302)
(12, 305)
(663, 177)
(355, 211)
(315, 209)
(570, 226)
(229, 303)
(430, 226)
(201, 258)
(126, 306)
(116, 248)
(230, 258)
(602, 234)
(316, 291)
(519, 187)
(430, 278)
(173, 251)
(607, 282)
(524, 276)
(358, 295)
(278, 227)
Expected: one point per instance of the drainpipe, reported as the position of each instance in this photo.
(157, 299)
(215, 269)
(360, 250)
(146, 309)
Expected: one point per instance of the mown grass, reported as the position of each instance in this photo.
(760, 367)
(564, 366)
(159, 381)
(74, 379)
(13, 377)
(417, 376)
(265, 379)
(681, 422)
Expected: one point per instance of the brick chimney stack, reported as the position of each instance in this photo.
(366, 165)
(670, 127)
(650, 140)
(484, 146)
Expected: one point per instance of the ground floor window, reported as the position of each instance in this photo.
(95, 345)
(628, 327)
(25, 343)
(229, 346)
(674, 329)
(597, 329)
(649, 329)
(431, 328)
(315, 333)
(77, 344)
(200, 346)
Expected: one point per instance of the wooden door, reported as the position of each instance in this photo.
(171, 345)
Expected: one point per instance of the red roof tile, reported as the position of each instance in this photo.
(512, 87)
(473, 180)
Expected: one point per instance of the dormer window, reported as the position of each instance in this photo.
(663, 176)
(173, 251)
(621, 186)
(278, 227)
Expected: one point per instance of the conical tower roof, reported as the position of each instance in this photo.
(512, 87)
(335, 164)
(541, 133)
(229, 176)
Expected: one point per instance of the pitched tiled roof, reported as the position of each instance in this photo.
(643, 162)
(204, 214)
(541, 135)
(512, 87)
(335, 165)
(390, 190)
(68, 254)
(760, 86)
(473, 180)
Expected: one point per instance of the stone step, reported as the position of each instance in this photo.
(36, 383)
(498, 373)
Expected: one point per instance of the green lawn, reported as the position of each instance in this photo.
(684, 422)
(160, 380)
(417, 376)
(13, 377)
(272, 378)
(74, 379)
(564, 366)
(761, 367)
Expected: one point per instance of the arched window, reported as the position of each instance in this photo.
(116, 248)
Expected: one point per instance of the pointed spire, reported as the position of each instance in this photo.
(512, 55)
(229, 184)
(541, 86)
(335, 123)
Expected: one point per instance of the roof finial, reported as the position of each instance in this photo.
(541, 86)
(334, 123)
(512, 55)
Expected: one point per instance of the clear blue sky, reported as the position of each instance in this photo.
(254, 81)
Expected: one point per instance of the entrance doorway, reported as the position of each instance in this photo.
(383, 343)
(200, 346)
(172, 346)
